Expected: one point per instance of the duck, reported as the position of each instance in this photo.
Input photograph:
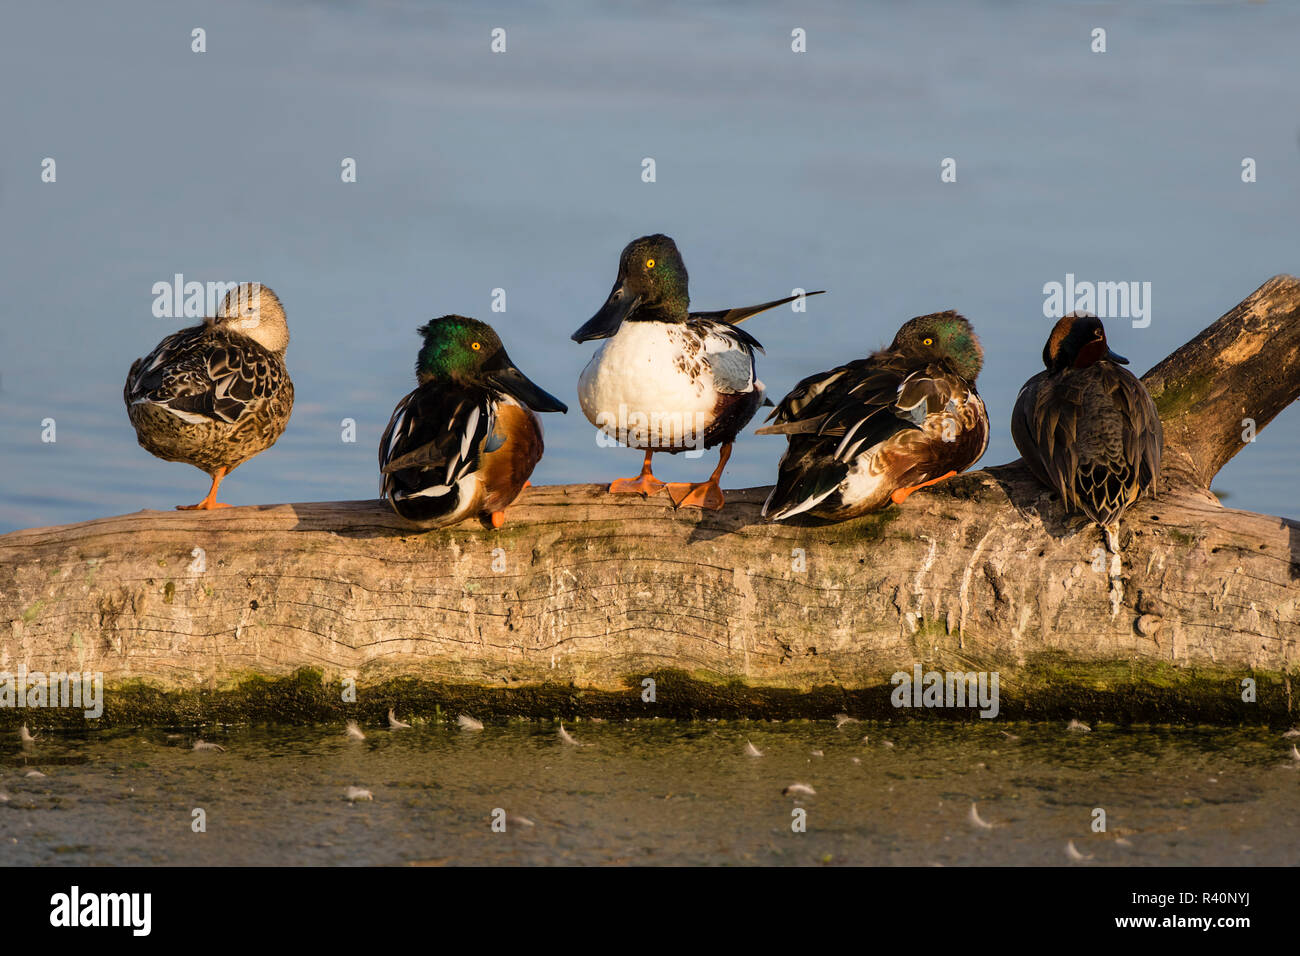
(870, 433)
(218, 393)
(666, 379)
(465, 441)
(1087, 427)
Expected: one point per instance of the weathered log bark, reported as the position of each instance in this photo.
(1246, 366)
(582, 596)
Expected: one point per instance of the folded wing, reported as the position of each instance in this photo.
(433, 440)
(199, 375)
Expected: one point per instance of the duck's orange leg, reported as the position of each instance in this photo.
(644, 484)
(498, 518)
(706, 494)
(901, 494)
(210, 502)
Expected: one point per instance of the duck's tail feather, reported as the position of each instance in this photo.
(805, 480)
(736, 316)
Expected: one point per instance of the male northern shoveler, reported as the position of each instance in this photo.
(466, 440)
(216, 394)
(877, 429)
(1087, 427)
(669, 379)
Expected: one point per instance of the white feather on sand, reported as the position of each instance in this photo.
(567, 737)
(977, 820)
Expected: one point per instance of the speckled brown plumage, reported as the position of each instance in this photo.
(1087, 427)
(871, 432)
(214, 395)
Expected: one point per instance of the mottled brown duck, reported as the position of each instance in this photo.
(872, 432)
(216, 394)
(1087, 427)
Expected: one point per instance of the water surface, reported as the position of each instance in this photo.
(656, 793)
(522, 171)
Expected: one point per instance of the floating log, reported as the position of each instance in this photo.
(588, 604)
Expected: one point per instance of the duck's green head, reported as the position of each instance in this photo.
(1077, 341)
(942, 337)
(652, 284)
(464, 351)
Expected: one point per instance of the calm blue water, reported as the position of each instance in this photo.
(522, 171)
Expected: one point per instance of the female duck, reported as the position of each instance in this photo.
(216, 394)
(1087, 428)
(466, 440)
(873, 431)
(668, 379)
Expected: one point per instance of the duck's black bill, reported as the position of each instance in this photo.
(611, 315)
(519, 386)
(1114, 356)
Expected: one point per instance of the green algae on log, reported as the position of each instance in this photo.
(198, 616)
(1046, 690)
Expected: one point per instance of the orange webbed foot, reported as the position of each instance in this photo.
(706, 494)
(210, 502)
(899, 495)
(644, 484)
(498, 519)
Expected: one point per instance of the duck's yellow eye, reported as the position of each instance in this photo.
(475, 346)
(649, 263)
(927, 341)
